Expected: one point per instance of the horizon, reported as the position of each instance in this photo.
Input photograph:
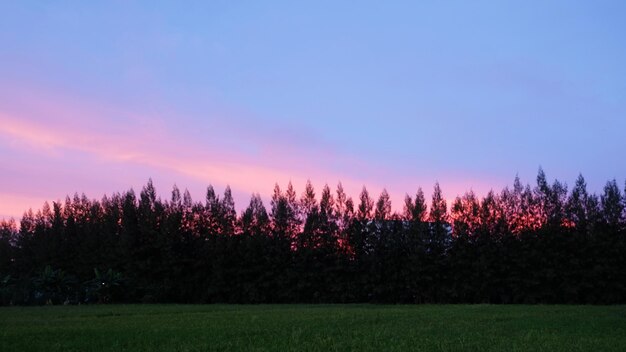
(397, 203)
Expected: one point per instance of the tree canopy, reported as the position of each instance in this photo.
(523, 244)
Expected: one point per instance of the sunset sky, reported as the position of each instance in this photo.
(98, 97)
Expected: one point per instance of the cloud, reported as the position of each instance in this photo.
(14, 205)
(96, 143)
(59, 131)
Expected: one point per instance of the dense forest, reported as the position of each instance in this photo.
(524, 244)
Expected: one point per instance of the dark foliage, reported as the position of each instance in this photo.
(522, 245)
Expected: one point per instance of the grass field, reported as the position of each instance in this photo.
(313, 328)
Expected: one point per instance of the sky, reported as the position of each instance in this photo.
(99, 97)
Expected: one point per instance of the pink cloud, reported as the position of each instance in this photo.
(139, 146)
(161, 152)
(58, 132)
(14, 205)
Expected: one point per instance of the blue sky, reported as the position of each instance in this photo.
(395, 95)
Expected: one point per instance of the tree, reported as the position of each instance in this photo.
(254, 220)
(8, 234)
(438, 216)
(344, 212)
(517, 213)
(308, 203)
(556, 216)
(327, 205)
(466, 215)
(284, 213)
(551, 201)
(228, 213)
(383, 207)
(409, 207)
(214, 211)
(415, 210)
(365, 206)
(492, 217)
(520, 245)
(624, 207)
(576, 207)
(53, 286)
(612, 206)
(340, 204)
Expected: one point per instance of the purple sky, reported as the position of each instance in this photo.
(97, 98)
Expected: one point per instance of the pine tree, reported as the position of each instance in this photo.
(254, 220)
(228, 213)
(214, 212)
(327, 204)
(542, 194)
(175, 200)
(383, 207)
(409, 208)
(284, 213)
(365, 206)
(492, 217)
(344, 210)
(438, 218)
(516, 215)
(419, 212)
(340, 204)
(624, 209)
(308, 203)
(465, 215)
(576, 207)
(612, 206)
(8, 234)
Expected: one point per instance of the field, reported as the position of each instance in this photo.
(313, 328)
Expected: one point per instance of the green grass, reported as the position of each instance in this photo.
(313, 328)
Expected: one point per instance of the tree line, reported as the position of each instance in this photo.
(520, 245)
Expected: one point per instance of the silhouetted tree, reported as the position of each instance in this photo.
(228, 213)
(576, 207)
(438, 216)
(8, 234)
(383, 207)
(612, 206)
(520, 245)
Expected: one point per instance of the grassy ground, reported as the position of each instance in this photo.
(313, 328)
